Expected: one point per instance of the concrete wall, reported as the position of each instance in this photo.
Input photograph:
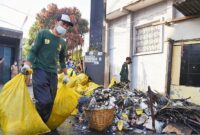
(10, 42)
(151, 69)
(118, 44)
(184, 33)
(177, 90)
(147, 69)
(186, 30)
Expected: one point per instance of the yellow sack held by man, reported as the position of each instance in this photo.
(80, 89)
(18, 115)
(71, 83)
(71, 73)
(65, 102)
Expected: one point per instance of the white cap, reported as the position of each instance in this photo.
(65, 18)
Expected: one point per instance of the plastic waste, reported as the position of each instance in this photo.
(65, 102)
(18, 115)
(120, 125)
(82, 79)
(113, 82)
(71, 82)
(91, 87)
(71, 73)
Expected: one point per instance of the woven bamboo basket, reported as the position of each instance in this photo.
(100, 119)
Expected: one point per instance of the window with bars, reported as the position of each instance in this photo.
(148, 39)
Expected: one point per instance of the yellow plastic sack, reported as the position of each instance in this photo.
(91, 87)
(81, 89)
(120, 125)
(75, 112)
(65, 102)
(60, 77)
(18, 115)
(71, 73)
(82, 79)
(71, 83)
(139, 111)
(125, 116)
(113, 82)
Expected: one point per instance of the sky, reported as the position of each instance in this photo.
(14, 12)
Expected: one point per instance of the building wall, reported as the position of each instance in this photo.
(113, 5)
(150, 69)
(186, 30)
(118, 44)
(10, 41)
(184, 33)
(147, 68)
(85, 44)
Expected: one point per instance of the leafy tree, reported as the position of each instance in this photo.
(46, 19)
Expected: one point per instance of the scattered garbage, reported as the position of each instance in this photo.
(177, 128)
(181, 111)
(109, 110)
(138, 111)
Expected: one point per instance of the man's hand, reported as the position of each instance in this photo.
(26, 70)
(65, 79)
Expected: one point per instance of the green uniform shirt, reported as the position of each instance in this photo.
(124, 73)
(46, 51)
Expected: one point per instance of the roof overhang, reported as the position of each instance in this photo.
(117, 13)
(188, 7)
(6, 32)
(141, 4)
(132, 6)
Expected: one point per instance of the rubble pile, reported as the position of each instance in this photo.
(134, 109)
(181, 111)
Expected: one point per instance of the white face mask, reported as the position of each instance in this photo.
(60, 30)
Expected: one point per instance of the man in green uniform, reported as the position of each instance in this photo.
(124, 70)
(48, 48)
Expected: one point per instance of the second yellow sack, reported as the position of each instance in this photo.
(65, 102)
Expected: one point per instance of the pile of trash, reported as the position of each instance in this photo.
(102, 99)
(134, 109)
(184, 114)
